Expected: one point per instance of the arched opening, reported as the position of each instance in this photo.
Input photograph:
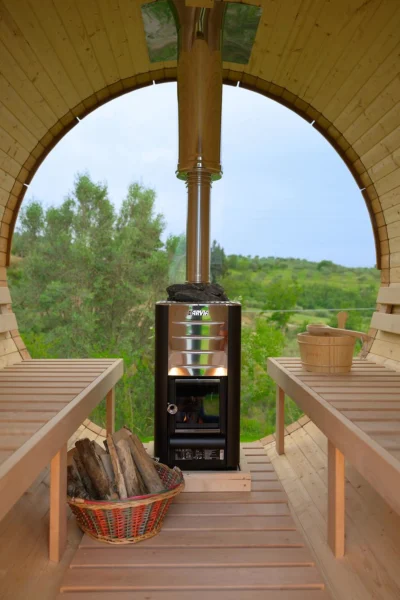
(245, 174)
(336, 64)
(254, 84)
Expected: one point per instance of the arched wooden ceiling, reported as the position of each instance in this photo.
(335, 62)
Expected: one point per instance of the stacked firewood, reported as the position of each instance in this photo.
(120, 470)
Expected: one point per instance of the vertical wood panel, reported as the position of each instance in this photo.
(35, 35)
(77, 33)
(50, 20)
(22, 52)
(58, 505)
(110, 411)
(336, 510)
(91, 17)
(280, 420)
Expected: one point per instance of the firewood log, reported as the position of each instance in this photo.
(143, 489)
(98, 449)
(95, 469)
(87, 482)
(119, 478)
(75, 487)
(128, 468)
(146, 467)
(143, 461)
(106, 460)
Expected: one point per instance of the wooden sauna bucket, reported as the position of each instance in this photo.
(326, 353)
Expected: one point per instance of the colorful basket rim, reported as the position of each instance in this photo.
(122, 541)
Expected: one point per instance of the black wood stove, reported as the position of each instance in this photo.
(197, 386)
(197, 378)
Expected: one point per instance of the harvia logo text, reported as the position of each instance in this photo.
(198, 313)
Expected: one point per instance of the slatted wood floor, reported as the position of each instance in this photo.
(214, 545)
(370, 569)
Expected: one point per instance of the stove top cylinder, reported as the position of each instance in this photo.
(197, 385)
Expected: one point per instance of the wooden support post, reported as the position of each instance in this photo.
(58, 505)
(280, 420)
(110, 412)
(336, 510)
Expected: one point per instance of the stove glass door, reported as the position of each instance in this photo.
(198, 402)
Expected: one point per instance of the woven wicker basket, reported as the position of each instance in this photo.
(131, 520)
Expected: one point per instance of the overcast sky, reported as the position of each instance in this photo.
(285, 192)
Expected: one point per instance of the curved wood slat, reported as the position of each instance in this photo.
(8, 322)
(5, 297)
(385, 322)
(389, 295)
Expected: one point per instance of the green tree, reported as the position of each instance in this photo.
(259, 342)
(88, 285)
(281, 296)
(176, 251)
(32, 223)
(219, 265)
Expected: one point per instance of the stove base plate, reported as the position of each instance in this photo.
(217, 481)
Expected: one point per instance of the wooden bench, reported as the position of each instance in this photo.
(42, 404)
(359, 412)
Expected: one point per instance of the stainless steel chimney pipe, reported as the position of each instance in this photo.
(198, 226)
(200, 106)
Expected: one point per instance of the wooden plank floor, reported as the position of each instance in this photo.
(25, 569)
(370, 569)
(216, 545)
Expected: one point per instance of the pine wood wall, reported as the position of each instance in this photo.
(335, 63)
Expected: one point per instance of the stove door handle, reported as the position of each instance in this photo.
(172, 409)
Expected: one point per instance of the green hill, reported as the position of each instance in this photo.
(279, 283)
